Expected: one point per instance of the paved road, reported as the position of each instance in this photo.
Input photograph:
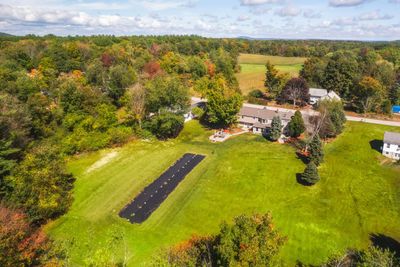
(313, 112)
(374, 121)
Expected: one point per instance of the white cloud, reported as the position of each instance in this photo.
(344, 21)
(288, 11)
(344, 3)
(68, 17)
(311, 14)
(243, 18)
(162, 5)
(374, 15)
(259, 11)
(256, 2)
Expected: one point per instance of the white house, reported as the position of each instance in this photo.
(258, 120)
(391, 145)
(317, 94)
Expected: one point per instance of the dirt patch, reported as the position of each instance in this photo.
(103, 161)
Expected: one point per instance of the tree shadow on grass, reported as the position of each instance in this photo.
(302, 157)
(376, 145)
(385, 242)
(301, 181)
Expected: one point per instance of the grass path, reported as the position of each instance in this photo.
(356, 196)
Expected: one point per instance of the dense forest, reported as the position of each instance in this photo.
(63, 96)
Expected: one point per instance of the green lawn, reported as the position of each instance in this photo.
(357, 196)
(252, 74)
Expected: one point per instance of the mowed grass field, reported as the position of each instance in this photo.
(253, 69)
(356, 197)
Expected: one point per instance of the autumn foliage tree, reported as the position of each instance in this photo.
(296, 90)
(152, 69)
(369, 94)
(248, 241)
(23, 245)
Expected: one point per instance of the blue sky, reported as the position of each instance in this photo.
(297, 19)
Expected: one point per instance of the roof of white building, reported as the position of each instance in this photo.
(392, 138)
(333, 95)
(316, 92)
(324, 94)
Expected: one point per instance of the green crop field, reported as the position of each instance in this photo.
(356, 197)
(252, 72)
(275, 60)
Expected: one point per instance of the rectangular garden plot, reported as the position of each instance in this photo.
(154, 194)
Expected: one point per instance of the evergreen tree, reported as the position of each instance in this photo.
(274, 81)
(296, 126)
(316, 151)
(276, 129)
(310, 174)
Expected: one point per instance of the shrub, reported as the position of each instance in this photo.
(81, 140)
(256, 93)
(166, 125)
(310, 174)
(120, 134)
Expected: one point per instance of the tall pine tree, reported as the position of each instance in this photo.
(316, 151)
(273, 81)
(276, 129)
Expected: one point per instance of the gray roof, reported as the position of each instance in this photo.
(316, 92)
(264, 113)
(262, 126)
(392, 138)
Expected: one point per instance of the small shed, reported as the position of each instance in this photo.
(396, 109)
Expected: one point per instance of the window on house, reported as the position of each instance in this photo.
(387, 145)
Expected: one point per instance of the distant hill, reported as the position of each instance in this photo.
(5, 34)
(254, 38)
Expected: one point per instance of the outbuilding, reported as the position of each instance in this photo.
(391, 145)
(317, 94)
